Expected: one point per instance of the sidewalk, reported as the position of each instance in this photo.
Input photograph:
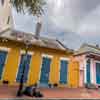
(10, 92)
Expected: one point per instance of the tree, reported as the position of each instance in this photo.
(34, 7)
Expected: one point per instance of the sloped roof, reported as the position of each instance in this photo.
(86, 48)
(41, 41)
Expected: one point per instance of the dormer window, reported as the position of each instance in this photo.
(2, 2)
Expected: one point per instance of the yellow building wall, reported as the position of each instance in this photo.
(34, 68)
(74, 74)
(54, 70)
(11, 66)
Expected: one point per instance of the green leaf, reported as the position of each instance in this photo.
(34, 7)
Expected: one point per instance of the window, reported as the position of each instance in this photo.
(98, 72)
(63, 71)
(3, 55)
(2, 2)
(44, 78)
(88, 71)
(24, 65)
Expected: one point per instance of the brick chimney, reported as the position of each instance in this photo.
(38, 28)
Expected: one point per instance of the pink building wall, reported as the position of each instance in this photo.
(80, 59)
(82, 72)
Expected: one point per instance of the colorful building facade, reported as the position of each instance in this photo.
(88, 57)
(46, 63)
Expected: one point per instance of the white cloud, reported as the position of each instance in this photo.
(72, 21)
(67, 14)
(24, 22)
(90, 24)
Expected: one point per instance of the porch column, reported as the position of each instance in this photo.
(85, 78)
(92, 70)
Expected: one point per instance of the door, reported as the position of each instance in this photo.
(88, 71)
(3, 55)
(25, 61)
(45, 69)
(63, 71)
(98, 73)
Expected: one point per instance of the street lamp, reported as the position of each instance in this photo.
(20, 90)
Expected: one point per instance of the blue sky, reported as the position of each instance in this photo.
(71, 21)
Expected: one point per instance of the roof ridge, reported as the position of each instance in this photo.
(93, 46)
(44, 37)
(29, 33)
(61, 44)
(41, 37)
(5, 30)
(48, 42)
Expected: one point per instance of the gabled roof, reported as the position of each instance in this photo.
(86, 48)
(41, 41)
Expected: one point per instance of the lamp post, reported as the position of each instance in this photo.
(20, 90)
